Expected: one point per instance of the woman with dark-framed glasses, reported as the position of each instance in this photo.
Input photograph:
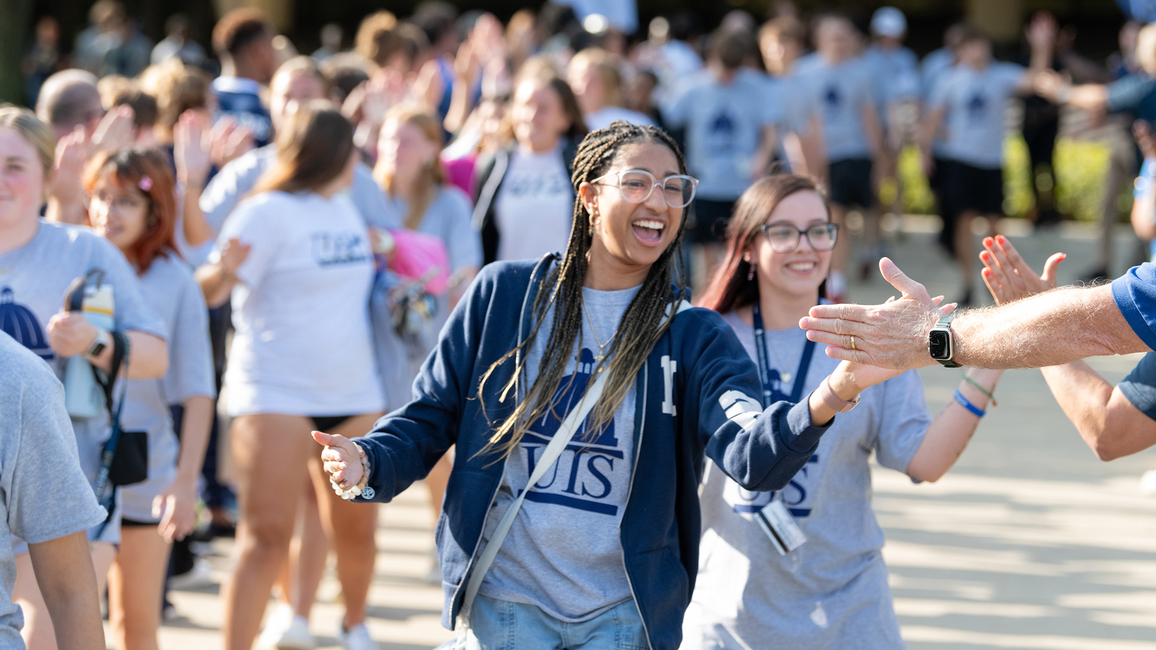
(802, 564)
(589, 542)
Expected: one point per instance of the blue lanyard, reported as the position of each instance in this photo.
(771, 393)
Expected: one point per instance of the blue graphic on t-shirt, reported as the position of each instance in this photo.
(330, 248)
(795, 496)
(580, 477)
(977, 108)
(832, 100)
(21, 324)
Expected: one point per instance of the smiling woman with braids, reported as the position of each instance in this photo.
(602, 550)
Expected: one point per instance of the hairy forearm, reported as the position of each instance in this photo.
(1083, 395)
(1048, 329)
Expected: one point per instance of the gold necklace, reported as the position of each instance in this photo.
(601, 345)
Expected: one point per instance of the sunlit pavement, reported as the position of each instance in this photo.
(1030, 542)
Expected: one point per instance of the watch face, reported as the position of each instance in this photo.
(939, 344)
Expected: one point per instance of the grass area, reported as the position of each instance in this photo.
(1079, 170)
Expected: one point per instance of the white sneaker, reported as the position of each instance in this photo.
(284, 631)
(201, 575)
(297, 636)
(357, 638)
(1148, 483)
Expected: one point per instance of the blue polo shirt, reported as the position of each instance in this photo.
(1135, 295)
(1140, 385)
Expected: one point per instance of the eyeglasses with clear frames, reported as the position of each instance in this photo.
(636, 186)
(785, 238)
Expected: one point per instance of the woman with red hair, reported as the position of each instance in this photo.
(132, 204)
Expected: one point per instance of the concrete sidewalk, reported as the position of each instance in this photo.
(1030, 542)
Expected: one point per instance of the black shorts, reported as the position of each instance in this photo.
(974, 189)
(851, 183)
(327, 423)
(938, 180)
(125, 522)
(710, 221)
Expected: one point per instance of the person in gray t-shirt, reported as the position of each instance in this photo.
(831, 591)
(36, 441)
(561, 555)
(841, 89)
(972, 100)
(131, 205)
(38, 263)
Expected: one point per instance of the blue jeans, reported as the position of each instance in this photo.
(501, 625)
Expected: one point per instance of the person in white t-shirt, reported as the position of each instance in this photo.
(595, 76)
(525, 202)
(302, 359)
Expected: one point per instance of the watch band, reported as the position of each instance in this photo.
(944, 323)
(833, 401)
(98, 344)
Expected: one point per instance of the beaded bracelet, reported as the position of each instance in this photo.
(975, 410)
(980, 389)
(362, 488)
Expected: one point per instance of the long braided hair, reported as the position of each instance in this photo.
(645, 320)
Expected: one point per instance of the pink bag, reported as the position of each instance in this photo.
(421, 257)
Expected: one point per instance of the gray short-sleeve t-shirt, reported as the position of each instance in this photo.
(832, 591)
(171, 289)
(975, 107)
(448, 217)
(724, 123)
(33, 281)
(36, 440)
(563, 553)
(838, 93)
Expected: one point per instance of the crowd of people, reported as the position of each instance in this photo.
(475, 242)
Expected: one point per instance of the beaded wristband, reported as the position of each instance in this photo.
(361, 489)
(975, 410)
(980, 389)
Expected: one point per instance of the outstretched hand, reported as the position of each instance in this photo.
(892, 335)
(1008, 277)
(341, 460)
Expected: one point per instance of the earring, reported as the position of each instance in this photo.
(751, 273)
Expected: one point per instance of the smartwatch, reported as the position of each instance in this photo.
(98, 346)
(940, 343)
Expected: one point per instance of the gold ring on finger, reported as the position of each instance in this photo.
(853, 342)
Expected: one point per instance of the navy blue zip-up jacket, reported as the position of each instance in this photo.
(697, 395)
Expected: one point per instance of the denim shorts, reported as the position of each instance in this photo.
(502, 625)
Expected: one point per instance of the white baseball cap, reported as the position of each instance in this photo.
(889, 21)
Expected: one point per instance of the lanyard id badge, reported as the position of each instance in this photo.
(771, 393)
(774, 518)
(780, 526)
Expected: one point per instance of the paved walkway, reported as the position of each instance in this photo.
(1029, 543)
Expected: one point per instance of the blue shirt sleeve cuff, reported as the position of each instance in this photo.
(800, 434)
(1124, 292)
